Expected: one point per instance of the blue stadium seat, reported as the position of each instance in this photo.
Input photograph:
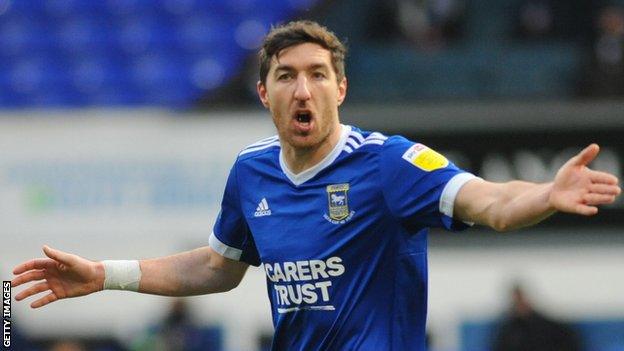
(597, 335)
(127, 52)
(81, 36)
(204, 33)
(91, 75)
(22, 36)
(137, 36)
(127, 8)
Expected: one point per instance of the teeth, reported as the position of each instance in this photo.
(303, 118)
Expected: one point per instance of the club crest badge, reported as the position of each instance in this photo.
(338, 201)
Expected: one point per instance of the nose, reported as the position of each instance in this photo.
(302, 93)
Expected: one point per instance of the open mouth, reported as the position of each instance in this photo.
(303, 117)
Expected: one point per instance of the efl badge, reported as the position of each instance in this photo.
(338, 202)
(425, 158)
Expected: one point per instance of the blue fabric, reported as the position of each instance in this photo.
(346, 268)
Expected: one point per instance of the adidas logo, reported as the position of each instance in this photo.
(262, 209)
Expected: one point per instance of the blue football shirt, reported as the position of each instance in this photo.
(343, 244)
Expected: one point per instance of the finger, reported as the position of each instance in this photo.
(27, 277)
(605, 189)
(49, 298)
(598, 199)
(587, 155)
(586, 210)
(38, 263)
(603, 177)
(57, 255)
(35, 289)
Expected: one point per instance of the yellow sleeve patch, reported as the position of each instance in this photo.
(425, 158)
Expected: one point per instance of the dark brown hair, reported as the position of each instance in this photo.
(300, 32)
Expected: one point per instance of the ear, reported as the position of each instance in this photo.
(262, 93)
(342, 90)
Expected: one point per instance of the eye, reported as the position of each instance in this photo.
(318, 75)
(284, 76)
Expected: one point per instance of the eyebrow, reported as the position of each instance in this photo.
(312, 67)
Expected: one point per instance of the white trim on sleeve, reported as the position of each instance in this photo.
(224, 250)
(447, 199)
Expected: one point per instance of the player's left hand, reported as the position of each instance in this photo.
(578, 189)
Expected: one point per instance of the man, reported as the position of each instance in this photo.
(336, 216)
(526, 329)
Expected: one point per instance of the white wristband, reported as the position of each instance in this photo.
(121, 275)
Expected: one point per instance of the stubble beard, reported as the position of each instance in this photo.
(290, 137)
(315, 139)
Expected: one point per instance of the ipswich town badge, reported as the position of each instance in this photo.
(338, 201)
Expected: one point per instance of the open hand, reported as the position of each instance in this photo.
(63, 274)
(578, 189)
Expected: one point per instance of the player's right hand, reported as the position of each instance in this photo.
(62, 274)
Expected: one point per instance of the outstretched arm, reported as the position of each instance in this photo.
(195, 272)
(507, 206)
(64, 275)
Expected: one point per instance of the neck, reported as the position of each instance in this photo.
(300, 159)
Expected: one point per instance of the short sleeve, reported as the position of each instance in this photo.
(231, 236)
(419, 185)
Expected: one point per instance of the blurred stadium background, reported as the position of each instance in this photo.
(119, 120)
